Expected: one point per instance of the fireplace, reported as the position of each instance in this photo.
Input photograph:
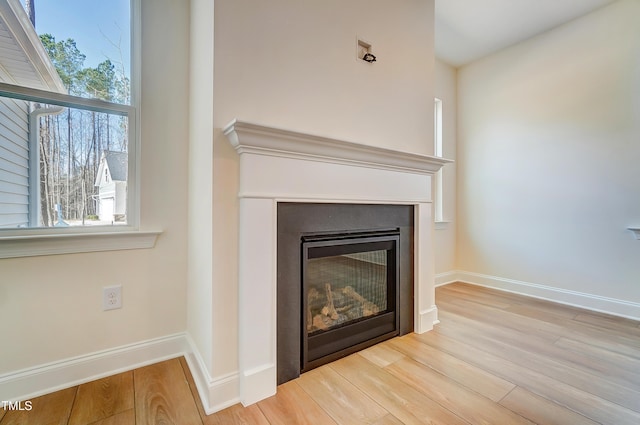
(344, 280)
(349, 288)
(285, 170)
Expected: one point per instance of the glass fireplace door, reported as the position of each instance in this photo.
(349, 288)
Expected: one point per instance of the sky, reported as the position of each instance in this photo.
(93, 24)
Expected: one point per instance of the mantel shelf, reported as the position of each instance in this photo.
(636, 231)
(258, 139)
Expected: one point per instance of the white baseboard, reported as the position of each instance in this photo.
(215, 393)
(258, 384)
(43, 379)
(426, 320)
(598, 303)
(446, 278)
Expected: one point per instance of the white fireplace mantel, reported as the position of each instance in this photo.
(279, 165)
(257, 139)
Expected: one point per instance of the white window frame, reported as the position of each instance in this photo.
(26, 242)
(437, 150)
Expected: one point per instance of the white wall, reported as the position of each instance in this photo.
(51, 307)
(445, 235)
(548, 169)
(293, 65)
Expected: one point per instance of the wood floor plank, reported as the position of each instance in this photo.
(388, 420)
(534, 327)
(473, 292)
(381, 354)
(404, 402)
(604, 366)
(237, 415)
(192, 388)
(600, 338)
(472, 377)
(542, 312)
(344, 402)
(542, 411)
(292, 405)
(162, 395)
(580, 401)
(540, 320)
(609, 322)
(50, 409)
(128, 417)
(489, 300)
(467, 404)
(102, 398)
(537, 359)
(492, 297)
(621, 368)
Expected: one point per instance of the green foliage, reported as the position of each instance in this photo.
(67, 59)
(101, 82)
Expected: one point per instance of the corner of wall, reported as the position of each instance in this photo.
(215, 393)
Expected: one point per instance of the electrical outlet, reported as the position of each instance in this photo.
(112, 297)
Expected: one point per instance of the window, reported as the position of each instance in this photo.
(68, 127)
(67, 119)
(437, 137)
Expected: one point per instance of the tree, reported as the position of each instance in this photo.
(99, 82)
(67, 59)
(70, 156)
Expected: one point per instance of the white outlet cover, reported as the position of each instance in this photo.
(112, 297)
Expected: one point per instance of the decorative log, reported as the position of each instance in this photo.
(344, 309)
(368, 308)
(314, 303)
(318, 322)
(322, 313)
(331, 309)
(314, 300)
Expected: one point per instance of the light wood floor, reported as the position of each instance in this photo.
(495, 358)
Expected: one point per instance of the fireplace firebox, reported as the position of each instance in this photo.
(344, 280)
(349, 287)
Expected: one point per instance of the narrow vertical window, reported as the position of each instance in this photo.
(437, 137)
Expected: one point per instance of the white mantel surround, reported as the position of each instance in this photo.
(284, 166)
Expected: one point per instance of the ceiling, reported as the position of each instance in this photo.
(467, 30)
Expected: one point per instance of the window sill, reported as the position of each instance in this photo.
(14, 246)
(441, 225)
(636, 231)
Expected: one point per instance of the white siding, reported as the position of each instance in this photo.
(14, 163)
